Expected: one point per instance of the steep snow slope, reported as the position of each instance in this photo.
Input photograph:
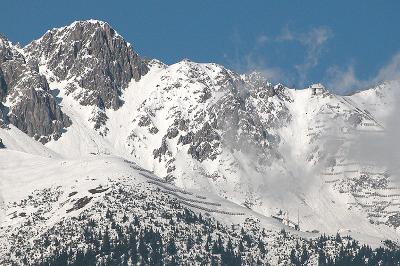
(25, 172)
(380, 101)
(42, 195)
(15, 139)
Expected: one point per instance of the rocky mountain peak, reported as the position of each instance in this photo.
(93, 57)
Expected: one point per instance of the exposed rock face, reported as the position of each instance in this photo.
(3, 115)
(39, 116)
(92, 56)
(26, 99)
(205, 143)
(3, 86)
(229, 111)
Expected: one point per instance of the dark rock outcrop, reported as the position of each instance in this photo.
(3, 86)
(205, 143)
(3, 116)
(39, 116)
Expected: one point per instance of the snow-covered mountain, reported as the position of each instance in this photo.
(116, 131)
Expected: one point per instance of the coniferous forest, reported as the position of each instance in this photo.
(137, 245)
(134, 227)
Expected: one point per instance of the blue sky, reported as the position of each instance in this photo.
(345, 44)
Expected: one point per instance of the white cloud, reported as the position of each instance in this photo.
(314, 41)
(272, 74)
(390, 71)
(315, 37)
(345, 80)
(262, 39)
(382, 149)
(254, 63)
(250, 61)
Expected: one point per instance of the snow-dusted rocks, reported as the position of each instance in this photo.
(92, 56)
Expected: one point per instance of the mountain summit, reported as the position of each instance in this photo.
(93, 57)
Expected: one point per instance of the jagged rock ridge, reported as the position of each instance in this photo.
(90, 55)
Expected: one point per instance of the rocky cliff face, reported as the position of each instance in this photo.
(26, 99)
(91, 56)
